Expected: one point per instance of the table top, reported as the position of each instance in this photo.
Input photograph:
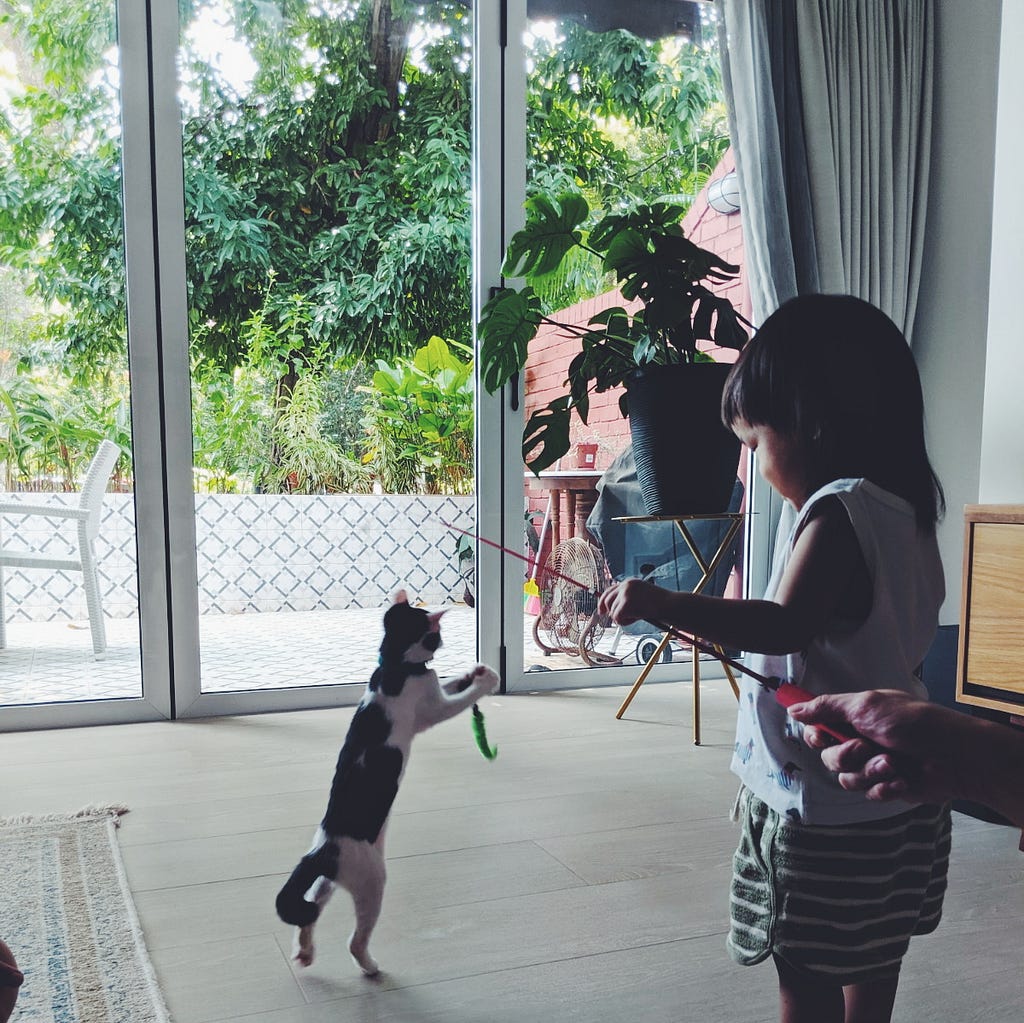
(680, 518)
(566, 479)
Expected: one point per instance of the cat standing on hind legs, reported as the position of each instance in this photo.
(403, 697)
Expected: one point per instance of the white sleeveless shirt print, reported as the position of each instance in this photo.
(883, 652)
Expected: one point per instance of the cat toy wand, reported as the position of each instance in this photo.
(786, 693)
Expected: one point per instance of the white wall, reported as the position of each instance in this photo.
(953, 308)
(1002, 431)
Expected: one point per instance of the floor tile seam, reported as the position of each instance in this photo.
(722, 818)
(140, 890)
(561, 888)
(378, 990)
(128, 842)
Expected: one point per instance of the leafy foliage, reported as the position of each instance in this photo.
(652, 262)
(52, 423)
(327, 177)
(420, 421)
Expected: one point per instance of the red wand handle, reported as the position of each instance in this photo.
(789, 693)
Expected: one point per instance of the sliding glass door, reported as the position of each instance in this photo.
(69, 520)
(618, 109)
(327, 218)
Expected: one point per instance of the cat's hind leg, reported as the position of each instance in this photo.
(363, 874)
(303, 950)
(367, 904)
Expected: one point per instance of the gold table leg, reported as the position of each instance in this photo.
(707, 569)
(643, 675)
(696, 695)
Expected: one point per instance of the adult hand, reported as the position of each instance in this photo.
(907, 748)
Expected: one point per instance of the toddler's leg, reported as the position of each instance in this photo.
(804, 998)
(871, 1002)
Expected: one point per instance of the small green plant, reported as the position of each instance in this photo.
(51, 425)
(308, 462)
(231, 417)
(420, 421)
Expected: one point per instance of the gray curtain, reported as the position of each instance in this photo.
(830, 113)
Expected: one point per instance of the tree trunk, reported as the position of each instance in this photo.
(387, 45)
(273, 480)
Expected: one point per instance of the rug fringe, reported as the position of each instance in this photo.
(113, 810)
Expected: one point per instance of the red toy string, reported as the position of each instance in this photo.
(786, 693)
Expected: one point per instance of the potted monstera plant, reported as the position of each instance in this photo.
(685, 459)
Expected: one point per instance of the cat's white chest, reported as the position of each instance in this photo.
(409, 710)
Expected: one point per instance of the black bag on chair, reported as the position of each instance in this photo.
(656, 550)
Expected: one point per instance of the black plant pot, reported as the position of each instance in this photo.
(685, 458)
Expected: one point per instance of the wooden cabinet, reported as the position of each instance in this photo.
(990, 663)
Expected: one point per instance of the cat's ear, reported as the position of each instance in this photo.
(400, 597)
(434, 617)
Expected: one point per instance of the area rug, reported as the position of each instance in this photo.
(67, 914)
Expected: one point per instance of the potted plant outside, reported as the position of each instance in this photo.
(651, 351)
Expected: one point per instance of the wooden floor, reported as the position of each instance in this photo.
(582, 876)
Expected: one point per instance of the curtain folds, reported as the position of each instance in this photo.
(830, 105)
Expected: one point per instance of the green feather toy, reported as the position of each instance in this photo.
(480, 734)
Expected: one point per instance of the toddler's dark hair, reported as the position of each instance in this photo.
(837, 374)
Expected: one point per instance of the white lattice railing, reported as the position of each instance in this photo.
(258, 552)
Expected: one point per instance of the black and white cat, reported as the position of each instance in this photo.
(403, 697)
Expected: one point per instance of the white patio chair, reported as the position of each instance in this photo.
(87, 517)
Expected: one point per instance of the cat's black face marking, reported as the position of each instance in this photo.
(411, 638)
(405, 627)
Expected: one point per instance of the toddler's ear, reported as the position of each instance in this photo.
(400, 597)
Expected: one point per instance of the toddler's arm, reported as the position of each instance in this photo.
(825, 568)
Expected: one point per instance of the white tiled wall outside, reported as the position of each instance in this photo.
(258, 552)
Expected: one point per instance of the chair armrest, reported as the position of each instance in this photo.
(50, 510)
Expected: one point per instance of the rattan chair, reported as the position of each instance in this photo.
(87, 517)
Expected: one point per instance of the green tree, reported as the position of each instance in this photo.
(326, 186)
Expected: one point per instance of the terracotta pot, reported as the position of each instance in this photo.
(586, 456)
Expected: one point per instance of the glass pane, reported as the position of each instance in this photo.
(623, 111)
(68, 586)
(327, 235)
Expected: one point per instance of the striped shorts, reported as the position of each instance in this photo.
(840, 902)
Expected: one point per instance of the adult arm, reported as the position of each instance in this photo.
(919, 751)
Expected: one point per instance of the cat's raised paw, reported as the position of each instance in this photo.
(486, 679)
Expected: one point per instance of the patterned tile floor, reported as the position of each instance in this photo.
(53, 661)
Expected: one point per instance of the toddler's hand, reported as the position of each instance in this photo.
(631, 600)
(486, 679)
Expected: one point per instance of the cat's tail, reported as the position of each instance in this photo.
(292, 905)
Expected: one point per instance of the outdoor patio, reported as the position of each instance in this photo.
(48, 662)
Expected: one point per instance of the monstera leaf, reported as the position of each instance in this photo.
(548, 430)
(647, 220)
(552, 229)
(508, 323)
(655, 265)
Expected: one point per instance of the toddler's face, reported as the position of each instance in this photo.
(780, 459)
